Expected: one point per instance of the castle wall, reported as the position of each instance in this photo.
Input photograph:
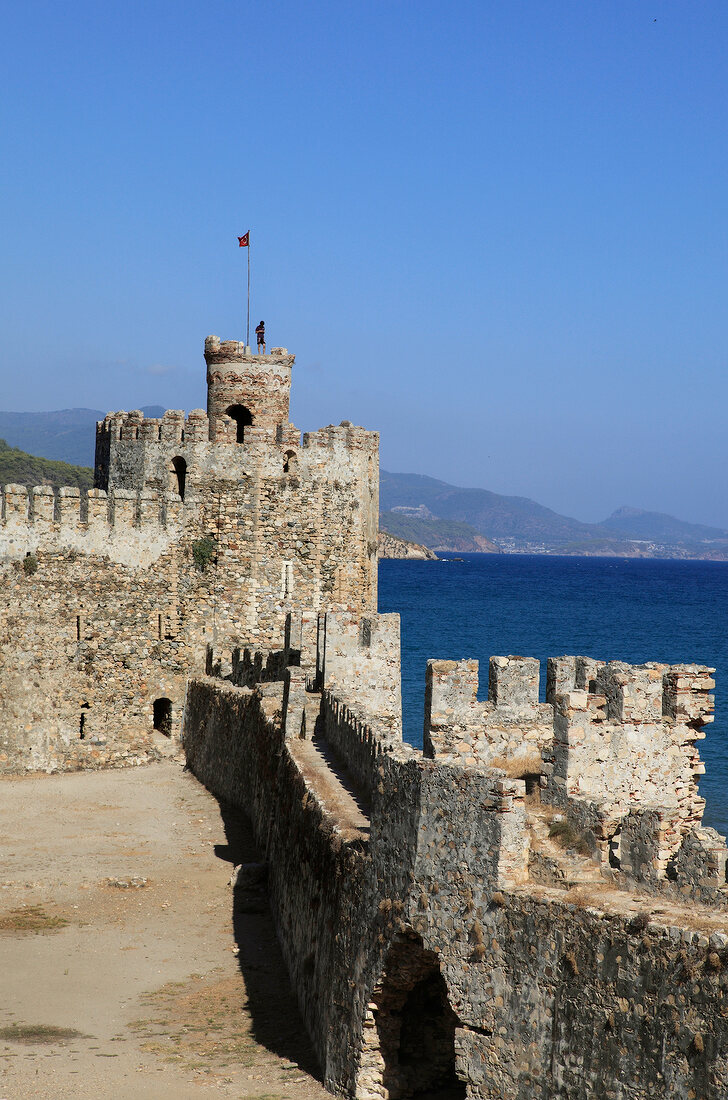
(295, 521)
(626, 757)
(543, 998)
(87, 644)
(128, 527)
(510, 726)
(340, 899)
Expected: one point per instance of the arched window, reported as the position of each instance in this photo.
(289, 462)
(242, 417)
(178, 476)
(163, 716)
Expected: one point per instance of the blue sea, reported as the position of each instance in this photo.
(631, 610)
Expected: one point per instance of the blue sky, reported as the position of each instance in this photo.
(494, 231)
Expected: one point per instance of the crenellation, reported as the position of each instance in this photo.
(628, 758)
(42, 505)
(633, 692)
(98, 508)
(288, 435)
(223, 430)
(197, 427)
(15, 504)
(587, 673)
(68, 507)
(560, 677)
(130, 425)
(513, 684)
(172, 426)
(150, 430)
(511, 726)
(120, 526)
(687, 694)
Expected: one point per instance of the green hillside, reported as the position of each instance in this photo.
(437, 534)
(19, 468)
(491, 514)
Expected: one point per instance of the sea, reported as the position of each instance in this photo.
(627, 609)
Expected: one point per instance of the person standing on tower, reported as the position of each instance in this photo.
(260, 335)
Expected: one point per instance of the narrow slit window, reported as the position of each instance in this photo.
(82, 721)
(287, 580)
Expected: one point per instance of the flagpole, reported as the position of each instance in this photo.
(247, 330)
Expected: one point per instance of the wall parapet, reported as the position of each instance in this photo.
(125, 525)
(510, 724)
(358, 740)
(441, 880)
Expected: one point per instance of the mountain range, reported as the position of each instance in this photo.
(413, 506)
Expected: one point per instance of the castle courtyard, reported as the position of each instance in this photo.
(124, 971)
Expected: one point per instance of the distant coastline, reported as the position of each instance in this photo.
(422, 511)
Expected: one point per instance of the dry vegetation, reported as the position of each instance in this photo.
(31, 918)
(519, 767)
(566, 836)
(37, 1033)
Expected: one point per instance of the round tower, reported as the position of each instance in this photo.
(254, 390)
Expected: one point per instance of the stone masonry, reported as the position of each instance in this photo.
(452, 919)
(202, 530)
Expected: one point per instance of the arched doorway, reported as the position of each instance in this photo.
(290, 462)
(178, 476)
(242, 417)
(163, 716)
(415, 1026)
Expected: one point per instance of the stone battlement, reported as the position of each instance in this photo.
(510, 723)
(179, 428)
(226, 351)
(615, 746)
(451, 907)
(173, 427)
(636, 693)
(124, 525)
(346, 436)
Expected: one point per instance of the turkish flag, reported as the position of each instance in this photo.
(244, 242)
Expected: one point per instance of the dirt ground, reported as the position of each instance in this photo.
(123, 972)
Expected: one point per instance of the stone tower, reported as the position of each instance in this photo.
(204, 529)
(254, 390)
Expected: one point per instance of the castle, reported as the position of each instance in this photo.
(201, 530)
(529, 907)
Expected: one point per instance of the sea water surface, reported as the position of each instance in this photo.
(623, 609)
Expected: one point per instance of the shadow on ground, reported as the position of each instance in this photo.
(276, 1020)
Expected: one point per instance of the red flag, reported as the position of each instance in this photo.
(244, 242)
